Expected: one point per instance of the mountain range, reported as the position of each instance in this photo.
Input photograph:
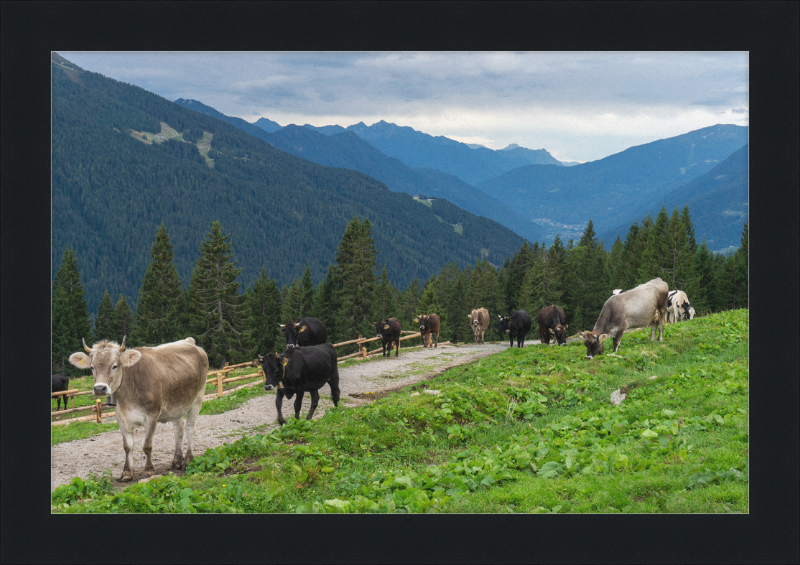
(125, 160)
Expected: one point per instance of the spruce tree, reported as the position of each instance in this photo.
(122, 321)
(702, 291)
(70, 321)
(742, 270)
(616, 263)
(104, 321)
(292, 307)
(322, 306)
(408, 303)
(158, 310)
(385, 299)
(519, 267)
(216, 308)
(263, 305)
(677, 261)
(354, 280)
(655, 255)
(686, 219)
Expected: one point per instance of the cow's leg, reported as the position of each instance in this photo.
(178, 427)
(298, 403)
(661, 317)
(149, 431)
(618, 339)
(334, 384)
(191, 424)
(314, 401)
(396, 349)
(278, 403)
(437, 340)
(127, 445)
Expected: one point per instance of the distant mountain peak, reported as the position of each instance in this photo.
(511, 146)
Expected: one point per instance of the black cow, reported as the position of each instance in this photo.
(305, 331)
(60, 383)
(552, 322)
(517, 325)
(300, 370)
(389, 331)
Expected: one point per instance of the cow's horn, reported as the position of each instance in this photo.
(84, 346)
(281, 325)
(122, 347)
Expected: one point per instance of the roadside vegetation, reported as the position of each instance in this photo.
(525, 430)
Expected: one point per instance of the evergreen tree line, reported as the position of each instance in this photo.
(234, 325)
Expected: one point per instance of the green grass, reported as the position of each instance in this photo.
(525, 430)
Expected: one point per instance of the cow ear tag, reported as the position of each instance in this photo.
(303, 329)
(285, 361)
(386, 326)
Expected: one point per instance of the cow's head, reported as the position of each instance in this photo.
(422, 319)
(381, 327)
(107, 360)
(291, 330)
(505, 325)
(560, 334)
(688, 311)
(594, 344)
(273, 369)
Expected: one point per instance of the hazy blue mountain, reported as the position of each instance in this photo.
(267, 125)
(609, 190)
(281, 211)
(570, 163)
(718, 201)
(471, 164)
(243, 125)
(327, 130)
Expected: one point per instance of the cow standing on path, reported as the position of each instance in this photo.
(552, 322)
(300, 370)
(305, 331)
(517, 325)
(389, 332)
(640, 307)
(60, 383)
(479, 321)
(428, 328)
(151, 385)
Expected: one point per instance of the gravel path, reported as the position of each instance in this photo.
(359, 384)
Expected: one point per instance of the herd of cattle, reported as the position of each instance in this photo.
(167, 382)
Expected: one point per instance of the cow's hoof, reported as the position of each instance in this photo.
(177, 462)
(126, 476)
(281, 421)
(149, 472)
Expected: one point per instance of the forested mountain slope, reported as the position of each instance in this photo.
(611, 190)
(718, 201)
(347, 150)
(125, 160)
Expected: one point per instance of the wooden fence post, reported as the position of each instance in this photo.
(219, 383)
(98, 404)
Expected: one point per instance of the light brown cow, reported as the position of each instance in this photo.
(479, 320)
(645, 305)
(150, 385)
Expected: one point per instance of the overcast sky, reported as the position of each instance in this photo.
(580, 106)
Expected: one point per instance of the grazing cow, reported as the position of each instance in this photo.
(678, 307)
(517, 325)
(479, 320)
(305, 331)
(388, 330)
(300, 370)
(428, 328)
(640, 307)
(552, 322)
(151, 385)
(60, 383)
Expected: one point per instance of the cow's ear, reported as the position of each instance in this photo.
(603, 338)
(566, 327)
(130, 357)
(587, 335)
(80, 360)
(551, 331)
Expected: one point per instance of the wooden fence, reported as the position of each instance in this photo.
(218, 377)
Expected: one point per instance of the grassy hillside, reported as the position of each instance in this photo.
(524, 431)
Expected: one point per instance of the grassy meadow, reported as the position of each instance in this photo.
(523, 431)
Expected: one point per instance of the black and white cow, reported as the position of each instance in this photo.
(517, 325)
(678, 307)
(299, 370)
(305, 331)
(389, 331)
(552, 322)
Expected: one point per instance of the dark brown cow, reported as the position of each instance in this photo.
(151, 385)
(552, 322)
(389, 331)
(60, 383)
(640, 307)
(428, 327)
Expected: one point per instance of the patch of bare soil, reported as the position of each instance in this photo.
(359, 384)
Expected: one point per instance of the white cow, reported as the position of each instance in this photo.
(678, 307)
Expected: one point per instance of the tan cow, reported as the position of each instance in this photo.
(479, 320)
(150, 385)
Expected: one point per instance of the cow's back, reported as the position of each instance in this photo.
(483, 318)
(637, 306)
(169, 376)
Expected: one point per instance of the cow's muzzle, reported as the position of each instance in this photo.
(102, 390)
(589, 357)
(268, 387)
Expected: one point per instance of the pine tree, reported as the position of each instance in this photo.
(654, 257)
(70, 322)
(322, 306)
(408, 304)
(306, 292)
(519, 267)
(263, 305)
(122, 320)
(686, 219)
(104, 321)
(677, 260)
(158, 310)
(742, 270)
(385, 299)
(216, 308)
(616, 263)
(292, 307)
(354, 281)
